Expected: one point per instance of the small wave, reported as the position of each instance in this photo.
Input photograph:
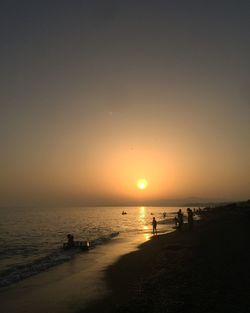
(20, 272)
(166, 221)
(103, 239)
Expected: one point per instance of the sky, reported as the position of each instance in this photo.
(95, 95)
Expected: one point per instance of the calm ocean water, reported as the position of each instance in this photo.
(31, 239)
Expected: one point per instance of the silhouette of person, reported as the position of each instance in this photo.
(70, 240)
(154, 224)
(190, 218)
(180, 219)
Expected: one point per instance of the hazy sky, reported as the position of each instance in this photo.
(96, 94)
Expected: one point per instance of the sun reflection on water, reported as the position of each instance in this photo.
(142, 213)
(147, 236)
(142, 216)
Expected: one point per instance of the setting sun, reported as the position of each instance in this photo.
(142, 184)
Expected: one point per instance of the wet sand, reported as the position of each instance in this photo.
(203, 270)
(66, 288)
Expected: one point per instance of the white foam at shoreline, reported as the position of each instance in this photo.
(20, 272)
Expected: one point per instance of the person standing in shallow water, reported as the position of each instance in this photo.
(180, 219)
(190, 218)
(154, 224)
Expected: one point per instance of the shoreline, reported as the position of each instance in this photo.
(190, 271)
(70, 286)
(126, 276)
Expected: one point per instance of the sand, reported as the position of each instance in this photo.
(66, 288)
(203, 270)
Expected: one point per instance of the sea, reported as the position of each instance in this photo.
(31, 239)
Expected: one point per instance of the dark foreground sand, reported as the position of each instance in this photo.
(204, 270)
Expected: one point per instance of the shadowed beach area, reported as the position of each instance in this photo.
(202, 270)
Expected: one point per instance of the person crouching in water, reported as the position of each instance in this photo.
(154, 224)
(190, 218)
(71, 242)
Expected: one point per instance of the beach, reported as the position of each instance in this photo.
(203, 270)
(42, 277)
(67, 287)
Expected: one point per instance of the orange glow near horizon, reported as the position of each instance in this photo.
(113, 172)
